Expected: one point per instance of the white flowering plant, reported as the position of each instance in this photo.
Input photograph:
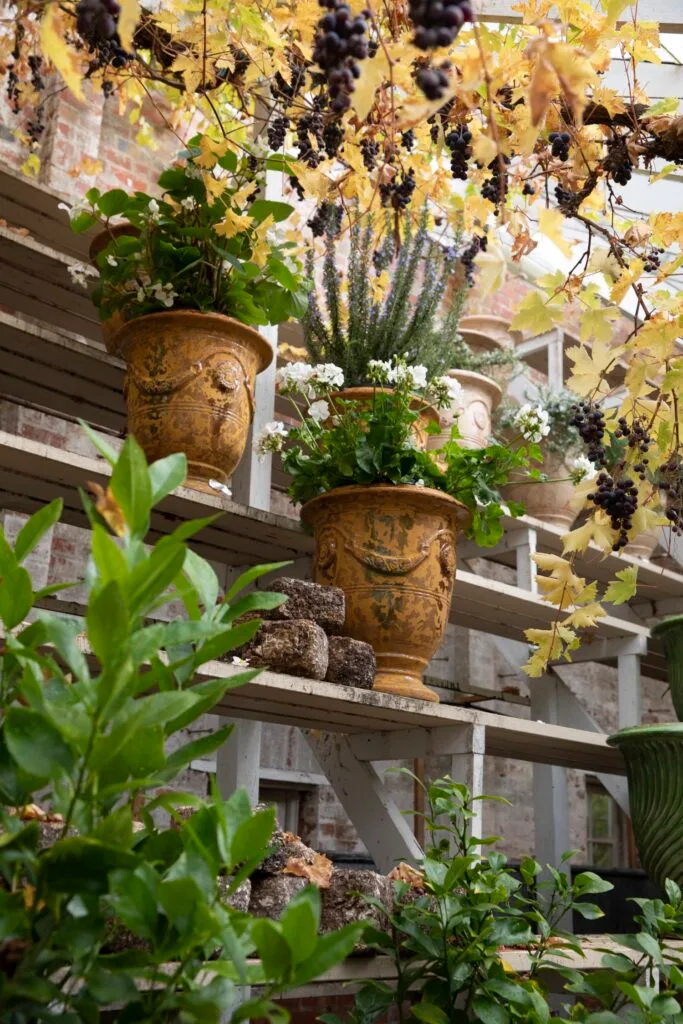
(546, 416)
(341, 440)
(208, 242)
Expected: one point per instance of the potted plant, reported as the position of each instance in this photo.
(385, 512)
(549, 417)
(188, 276)
(480, 392)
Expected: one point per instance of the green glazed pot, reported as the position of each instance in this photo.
(654, 766)
(671, 633)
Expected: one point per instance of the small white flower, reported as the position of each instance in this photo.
(408, 376)
(242, 662)
(328, 374)
(112, 261)
(192, 171)
(532, 422)
(141, 294)
(295, 378)
(379, 370)
(271, 439)
(154, 209)
(319, 411)
(164, 293)
(189, 203)
(447, 392)
(77, 209)
(582, 469)
(419, 483)
(80, 272)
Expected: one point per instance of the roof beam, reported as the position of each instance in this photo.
(668, 13)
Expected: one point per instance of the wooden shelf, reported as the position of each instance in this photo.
(26, 204)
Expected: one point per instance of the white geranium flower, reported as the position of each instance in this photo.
(189, 203)
(409, 376)
(164, 293)
(447, 392)
(419, 483)
(328, 374)
(154, 209)
(271, 439)
(379, 370)
(112, 260)
(242, 662)
(582, 469)
(319, 411)
(532, 422)
(295, 378)
(77, 209)
(80, 272)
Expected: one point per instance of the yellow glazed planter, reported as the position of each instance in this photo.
(391, 549)
(190, 388)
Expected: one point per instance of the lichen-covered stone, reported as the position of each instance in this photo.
(283, 847)
(270, 894)
(343, 902)
(298, 647)
(307, 600)
(350, 662)
(239, 899)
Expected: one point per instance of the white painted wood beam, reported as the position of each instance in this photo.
(668, 13)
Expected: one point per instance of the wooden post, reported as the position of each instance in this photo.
(238, 761)
(467, 767)
(629, 690)
(551, 792)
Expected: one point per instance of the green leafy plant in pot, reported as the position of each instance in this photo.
(183, 280)
(384, 511)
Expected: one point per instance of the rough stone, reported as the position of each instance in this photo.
(239, 899)
(283, 847)
(270, 894)
(298, 647)
(307, 600)
(351, 662)
(343, 902)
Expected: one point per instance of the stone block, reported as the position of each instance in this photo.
(284, 846)
(306, 600)
(298, 647)
(350, 662)
(343, 902)
(239, 899)
(270, 894)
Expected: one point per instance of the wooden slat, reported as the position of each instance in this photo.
(668, 13)
(26, 204)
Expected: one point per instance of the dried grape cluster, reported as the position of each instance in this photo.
(311, 125)
(277, 131)
(97, 25)
(327, 218)
(408, 140)
(340, 41)
(369, 151)
(618, 163)
(458, 142)
(589, 420)
(437, 22)
(495, 188)
(653, 259)
(469, 255)
(333, 136)
(637, 435)
(559, 145)
(398, 193)
(670, 478)
(433, 82)
(619, 499)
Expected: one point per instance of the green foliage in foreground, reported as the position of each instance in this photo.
(86, 734)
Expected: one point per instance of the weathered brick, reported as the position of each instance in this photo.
(307, 600)
(350, 662)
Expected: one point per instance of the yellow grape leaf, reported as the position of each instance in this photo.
(535, 315)
(586, 617)
(233, 223)
(550, 223)
(31, 166)
(484, 149)
(624, 587)
(627, 278)
(56, 50)
(552, 644)
(589, 368)
(588, 593)
(552, 563)
(128, 20)
(373, 73)
(597, 323)
(491, 269)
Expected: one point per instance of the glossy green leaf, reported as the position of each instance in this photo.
(37, 526)
(35, 743)
(130, 485)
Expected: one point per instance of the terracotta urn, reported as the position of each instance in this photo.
(190, 388)
(550, 502)
(480, 396)
(654, 768)
(391, 549)
(364, 397)
(485, 333)
(101, 240)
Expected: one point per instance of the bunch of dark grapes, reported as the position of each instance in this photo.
(618, 163)
(670, 480)
(589, 420)
(280, 88)
(637, 435)
(298, 187)
(437, 22)
(469, 255)
(528, 189)
(326, 219)
(433, 82)
(310, 125)
(559, 145)
(619, 499)
(36, 126)
(442, 115)
(458, 142)
(653, 260)
(370, 151)
(97, 20)
(495, 188)
(277, 131)
(408, 140)
(333, 136)
(398, 194)
(340, 41)
(566, 199)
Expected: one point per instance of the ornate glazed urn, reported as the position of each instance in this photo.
(480, 396)
(550, 502)
(190, 388)
(391, 549)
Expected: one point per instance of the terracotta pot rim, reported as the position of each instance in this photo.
(667, 625)
(634, 732)
(226, 323)
(480, 378)
(100, 240)
(353, 491)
